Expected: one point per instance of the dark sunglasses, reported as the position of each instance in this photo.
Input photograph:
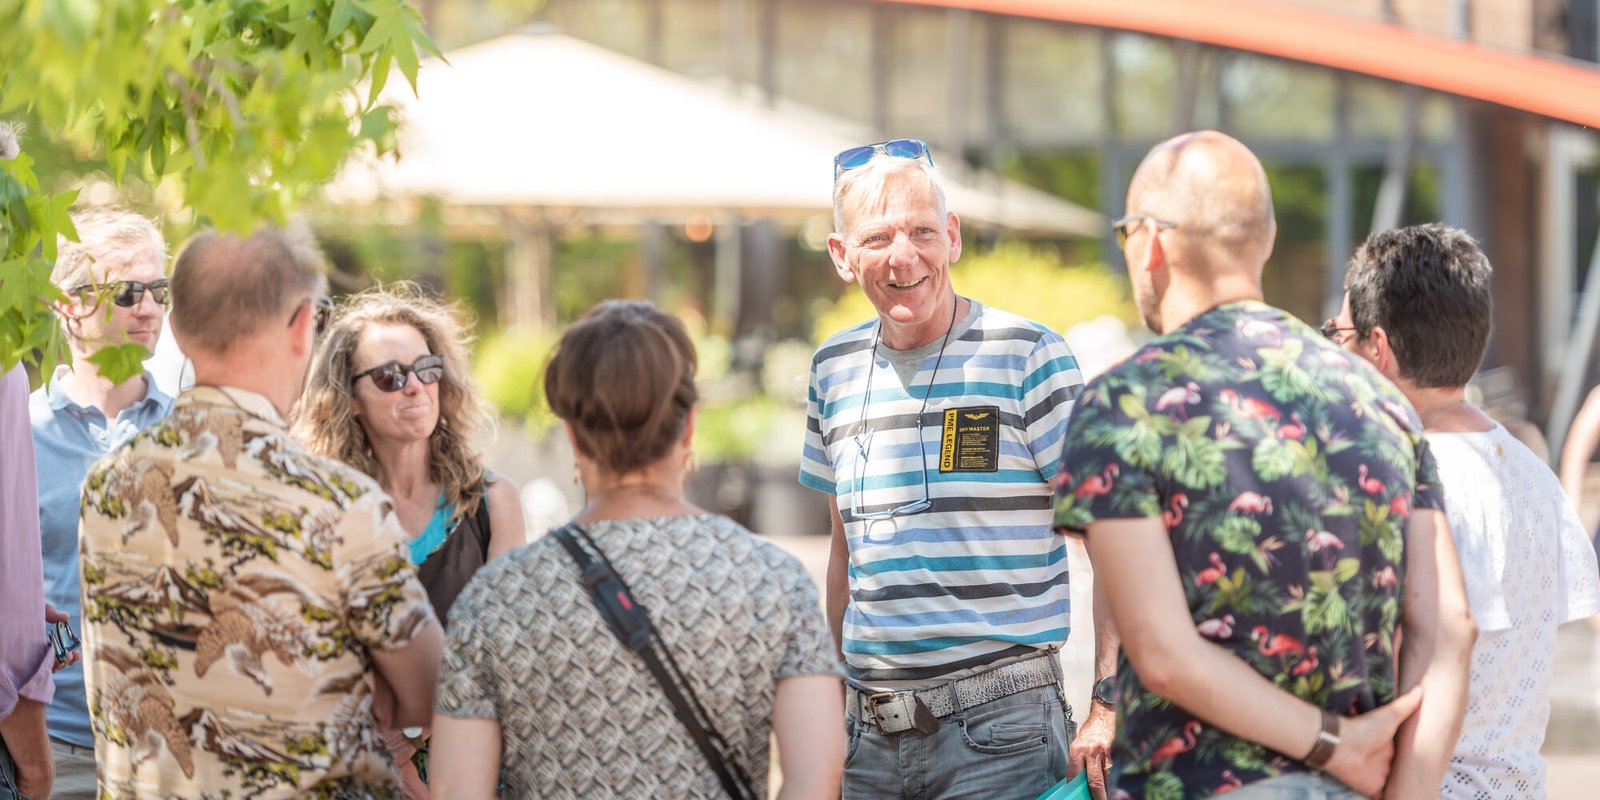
(62, 640)
(1125, 226)
(899, 148)
(1331, 330)
(128, 293)
(392, 377)
(323, 309)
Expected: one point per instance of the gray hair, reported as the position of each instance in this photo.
(868, 181)
(226, 289)
(104, 236)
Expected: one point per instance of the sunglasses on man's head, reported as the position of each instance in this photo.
(899, 148)
(392, 377)
(126, 293)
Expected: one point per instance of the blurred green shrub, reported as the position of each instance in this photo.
(754, 428)
(1022, 279)
(509, 365)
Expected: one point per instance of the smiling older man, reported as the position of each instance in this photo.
(935, 430)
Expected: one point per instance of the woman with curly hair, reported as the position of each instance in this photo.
(390, 394)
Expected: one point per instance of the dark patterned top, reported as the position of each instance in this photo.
(581, 716)
(234, 588)
(1285, 470)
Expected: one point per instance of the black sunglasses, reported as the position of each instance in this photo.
(62, 640)
(1331, 330)
(1124, 227)
(392, 377)
(899, 148)
(128, 293)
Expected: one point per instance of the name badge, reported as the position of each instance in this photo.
(971, 441)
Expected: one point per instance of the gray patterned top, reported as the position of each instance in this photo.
(580, 715)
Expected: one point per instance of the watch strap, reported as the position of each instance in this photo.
(1105, 690)
(1327, 741)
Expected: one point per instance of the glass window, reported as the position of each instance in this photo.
(622, 25)
(694, 39)
(823, 56)
(1268, 98)
(1377, 106)
(1145, 89)
(1050, 83)
(918, 60)
(1293, 278)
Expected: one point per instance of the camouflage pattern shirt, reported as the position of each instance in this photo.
(234, 586)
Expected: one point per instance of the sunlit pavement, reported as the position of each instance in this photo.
(1572, 747)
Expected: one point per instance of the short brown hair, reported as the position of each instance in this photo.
(1430, 288)
(225, 289)
(623, 377)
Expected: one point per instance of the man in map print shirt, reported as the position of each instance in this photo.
(934, 429)
(1263, 514)
(240, 595)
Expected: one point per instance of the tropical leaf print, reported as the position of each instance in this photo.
(1194, 458)
(1182, 361)
(1164, 786)
(1282, 374)
(1283, 471)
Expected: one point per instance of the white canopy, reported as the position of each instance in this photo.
(538, 119)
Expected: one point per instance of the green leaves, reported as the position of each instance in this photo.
(120, 359)
(247, 107)
(1194, 458)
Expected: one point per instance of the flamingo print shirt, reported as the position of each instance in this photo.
(234, 588)
(1285, 470)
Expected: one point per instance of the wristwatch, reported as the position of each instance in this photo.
(1105, 690)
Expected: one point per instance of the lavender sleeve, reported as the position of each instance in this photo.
(25, 658)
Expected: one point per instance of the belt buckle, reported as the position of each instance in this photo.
(871, 707)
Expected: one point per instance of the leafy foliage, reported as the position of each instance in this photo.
(246, 106)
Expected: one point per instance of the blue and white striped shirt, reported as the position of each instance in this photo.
(978, 575)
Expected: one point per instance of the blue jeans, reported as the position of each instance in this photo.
(1299, 786)
(1012, 748)
(8, 775)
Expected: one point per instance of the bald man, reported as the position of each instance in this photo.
(1262, 512)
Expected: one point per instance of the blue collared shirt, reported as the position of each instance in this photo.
(67, 440)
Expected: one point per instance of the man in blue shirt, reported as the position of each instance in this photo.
(116, 284)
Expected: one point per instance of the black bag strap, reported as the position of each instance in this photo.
(630, 621)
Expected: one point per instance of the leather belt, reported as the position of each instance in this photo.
(894, 712)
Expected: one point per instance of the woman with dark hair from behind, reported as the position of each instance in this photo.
(537, 693)
(390, 393)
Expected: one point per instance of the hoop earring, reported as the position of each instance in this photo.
(691, 462)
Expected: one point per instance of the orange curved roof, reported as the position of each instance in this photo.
(1546, 86)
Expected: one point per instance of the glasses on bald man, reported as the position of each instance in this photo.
(323, 308)
(1125, 226)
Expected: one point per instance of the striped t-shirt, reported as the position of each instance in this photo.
(978, 575)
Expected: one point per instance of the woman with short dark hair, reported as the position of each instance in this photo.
(538, 694)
